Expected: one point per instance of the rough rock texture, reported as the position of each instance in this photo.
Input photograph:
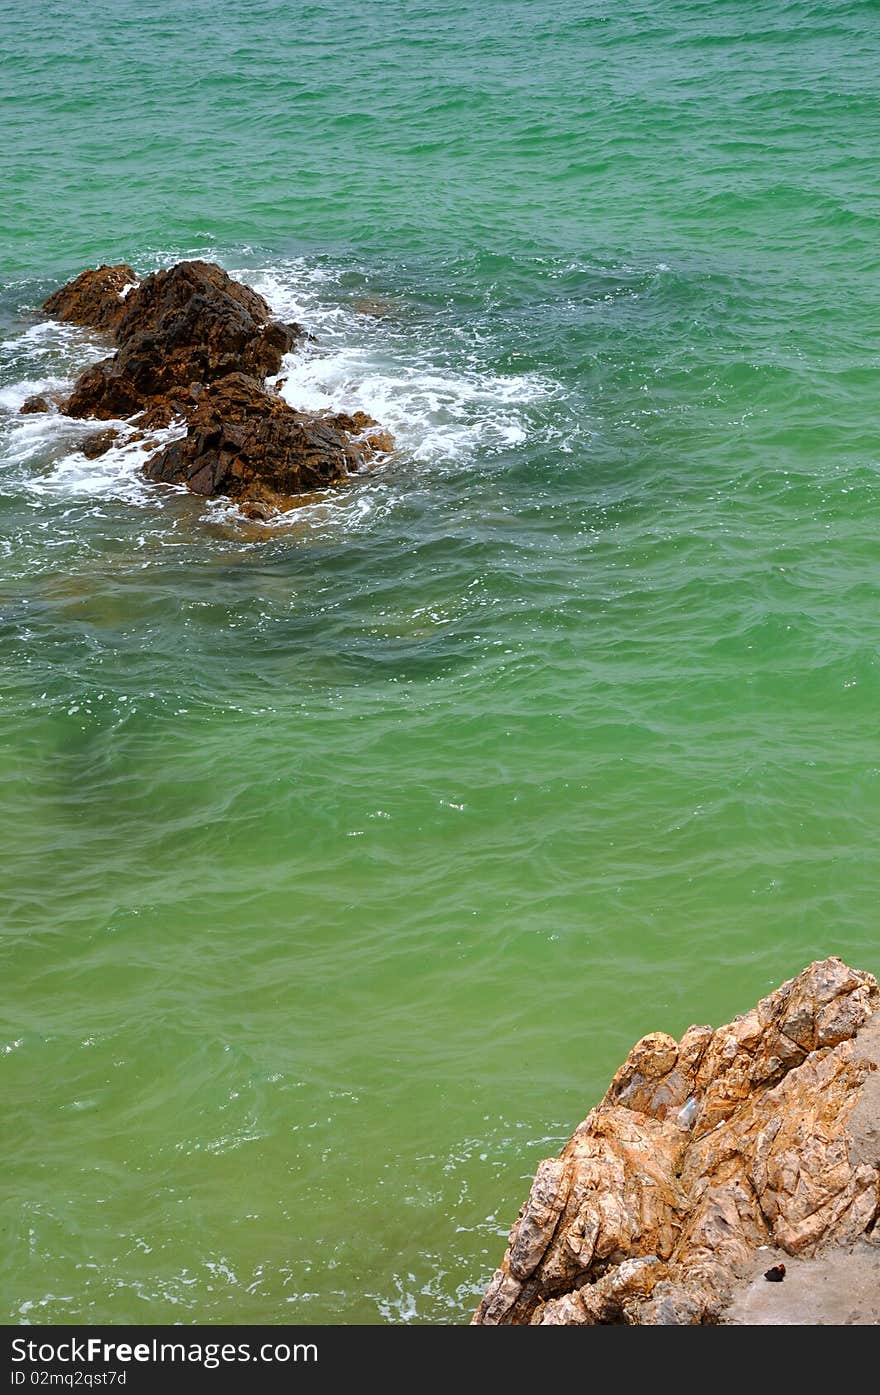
(167, 291)
(195, 346)
(250, 446)
(701, 1151)
(189, 324)
(96, 298)
(99, 442)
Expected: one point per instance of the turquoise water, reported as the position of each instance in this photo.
(343, 863)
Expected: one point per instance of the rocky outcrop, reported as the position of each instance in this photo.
(189, 325)
(253, 447)
(195, 346)
(701, 1151)
(96, 298)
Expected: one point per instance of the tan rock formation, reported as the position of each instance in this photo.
(701, 1151)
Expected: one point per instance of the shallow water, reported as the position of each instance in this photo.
(343, 862)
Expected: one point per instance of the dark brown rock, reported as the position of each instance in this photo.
(94, 298)
(99, 443)
(191, 324)
(167, 291)
(360, 425)
(252, 447)
(103, 391)
(174, 406)
(37, 403)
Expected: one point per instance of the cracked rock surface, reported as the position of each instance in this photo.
(763, 1132)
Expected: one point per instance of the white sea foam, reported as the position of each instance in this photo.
(44, 454)
(52, 341)
(435, 410)
(433, 414)
(117, 474)
(12, 397)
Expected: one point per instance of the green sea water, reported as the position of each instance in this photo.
(342, 864)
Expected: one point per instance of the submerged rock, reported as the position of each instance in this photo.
(95, 298)
(253, 448)
(701, 1151)
(376, 307)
